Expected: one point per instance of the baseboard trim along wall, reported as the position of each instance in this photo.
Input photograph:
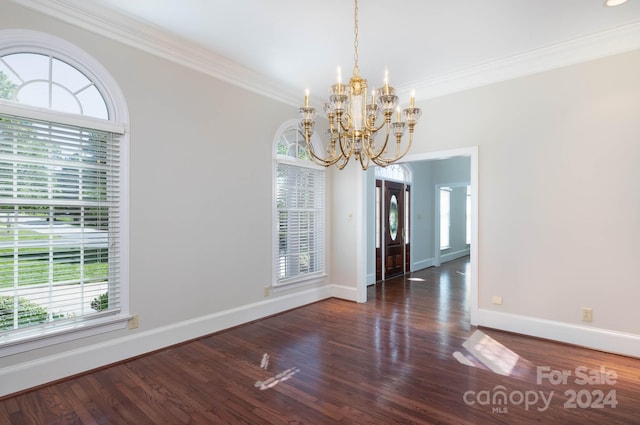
(348, 293)
(584, 336)
(450, 256)
(422, 264)
(33, 373)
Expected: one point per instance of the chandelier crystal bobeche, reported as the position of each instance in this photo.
(354, 121)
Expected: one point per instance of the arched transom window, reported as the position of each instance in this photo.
(396, 172)
(45, 81)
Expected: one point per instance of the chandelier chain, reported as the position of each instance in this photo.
(356, 68)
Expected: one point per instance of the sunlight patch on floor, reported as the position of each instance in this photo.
(274, 380)
(462, 359)
(418, 279)
(491, 353)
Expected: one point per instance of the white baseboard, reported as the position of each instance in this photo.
(422, 264)
(585, 336)
(37, 372)
(454, 255)
(348, 293)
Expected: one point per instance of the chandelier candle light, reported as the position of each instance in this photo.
(354, 122)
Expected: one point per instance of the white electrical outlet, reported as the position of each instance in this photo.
(587, 314)
(133, 322)
(496, 299)
(267, 291)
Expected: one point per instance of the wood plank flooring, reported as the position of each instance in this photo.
(401, 358)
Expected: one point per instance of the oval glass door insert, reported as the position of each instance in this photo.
(393, 217)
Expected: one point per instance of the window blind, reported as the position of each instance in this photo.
(300, 198)
(59, 224)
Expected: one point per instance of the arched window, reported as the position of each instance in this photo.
(44, 81)
(299, 210)
(62, 177)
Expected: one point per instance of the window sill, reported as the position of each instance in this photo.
(26, 341)
(299, 281)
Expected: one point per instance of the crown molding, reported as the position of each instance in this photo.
(602, 44)
(155, 41)
(152, 40)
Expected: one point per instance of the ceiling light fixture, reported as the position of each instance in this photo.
(354, 122)
(612, 3)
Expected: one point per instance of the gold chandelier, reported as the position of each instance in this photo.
(354, 122)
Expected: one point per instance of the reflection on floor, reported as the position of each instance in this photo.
(408, 355)
(491, 353)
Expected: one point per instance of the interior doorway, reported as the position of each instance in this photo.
(418, 217)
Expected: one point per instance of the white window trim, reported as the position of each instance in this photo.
(311, 278)
(17, 40)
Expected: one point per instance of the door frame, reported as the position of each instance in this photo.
(472, 153)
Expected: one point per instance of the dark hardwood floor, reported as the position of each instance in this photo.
(407, 356)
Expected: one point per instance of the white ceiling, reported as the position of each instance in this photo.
(432, 46)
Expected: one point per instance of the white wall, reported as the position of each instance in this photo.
(201, 202)
(348, 230)
(422, 241)
(559, 197)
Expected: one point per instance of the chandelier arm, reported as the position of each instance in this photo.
(344, 163)
(342, 126)
(376, 154)
(388, 161)
(386, 119)
(343, 139)
(362, 162)
(318, 160)
(374, 129)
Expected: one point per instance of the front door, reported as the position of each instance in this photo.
(394, 254)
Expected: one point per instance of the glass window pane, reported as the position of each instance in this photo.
(393, 217)
(378, 216)
(445, 216)
(34, 94)
(64, 89)
(468, 216)
(406, 216)
(62, 100)
(55, 248)
(29, 66)
(93, 104)
(68, 76)
(9, 83)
